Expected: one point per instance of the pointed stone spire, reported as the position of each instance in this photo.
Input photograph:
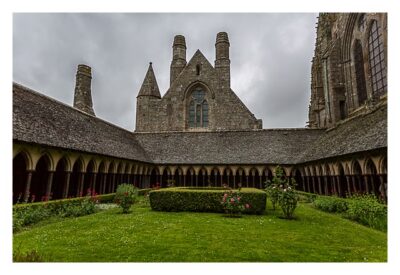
(150, 86)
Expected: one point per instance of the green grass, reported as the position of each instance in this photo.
(150, 236)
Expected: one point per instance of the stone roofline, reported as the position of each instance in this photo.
(160, 132)
(229, 131)
(69, 106)
(151, 161)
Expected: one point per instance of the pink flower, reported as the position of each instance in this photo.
(238, 198)
(232, 200)
(247, 206)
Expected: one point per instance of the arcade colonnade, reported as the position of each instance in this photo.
(44, 174)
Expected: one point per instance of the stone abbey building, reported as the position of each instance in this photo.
(201, 134)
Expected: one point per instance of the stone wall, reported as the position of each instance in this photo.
(170, 113)
(334, 91)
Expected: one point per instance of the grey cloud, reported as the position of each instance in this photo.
(270, 57)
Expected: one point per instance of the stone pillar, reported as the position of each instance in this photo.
(81, 184)
(49, 184)
(94, 182)
(339, 186)
(366, 183)
(66, 184)
(313, 184)
(112, 183)
(319, 185)
(104, 182)
(348, 180)
(28, 185)
(247, 180)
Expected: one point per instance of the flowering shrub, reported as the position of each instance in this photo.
(233, 204)
(288, 201)
(125, 196)
(281, 191)
(366, 209)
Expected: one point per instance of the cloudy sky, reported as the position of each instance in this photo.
(270, 57)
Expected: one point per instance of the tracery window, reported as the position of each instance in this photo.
(198, 109)
(377, 59)
(360, 74)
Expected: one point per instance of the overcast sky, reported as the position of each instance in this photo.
(270, 58)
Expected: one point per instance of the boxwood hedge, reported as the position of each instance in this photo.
(203, 199)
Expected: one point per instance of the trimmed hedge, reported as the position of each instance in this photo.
(203, 199)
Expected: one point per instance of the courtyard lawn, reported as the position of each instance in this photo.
(149, 236)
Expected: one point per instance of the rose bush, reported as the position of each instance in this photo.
(281, 191)
(125, 196)
(233, 204)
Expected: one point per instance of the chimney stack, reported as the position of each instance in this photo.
(178, 57)
(222, 61)
(83, 93)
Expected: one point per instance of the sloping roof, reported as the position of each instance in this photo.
(41, 120)
(281, 146)
(363, 133)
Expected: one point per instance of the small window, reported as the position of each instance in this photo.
(198, 69)
(342, 109)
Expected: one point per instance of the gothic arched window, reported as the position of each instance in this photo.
(377, 59)
(360, 74)
(198, 109)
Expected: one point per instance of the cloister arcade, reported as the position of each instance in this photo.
(44, 174)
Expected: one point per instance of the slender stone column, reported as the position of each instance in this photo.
(366, 183)
(80, 185)
(313, 184)
(247, 181)
(49, 184)
(66, 184)
(103, 189)
(319, 185)
(339, 186)
(28, 185)
(348, 180)
(94, 182)
(112, 183)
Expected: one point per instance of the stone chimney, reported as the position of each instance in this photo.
(178, 62)
(83, 93)
(222, 61)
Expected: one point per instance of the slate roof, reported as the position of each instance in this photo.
(360, 134)
(281, 146)
(42, 120)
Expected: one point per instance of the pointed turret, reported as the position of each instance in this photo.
(150, 86)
